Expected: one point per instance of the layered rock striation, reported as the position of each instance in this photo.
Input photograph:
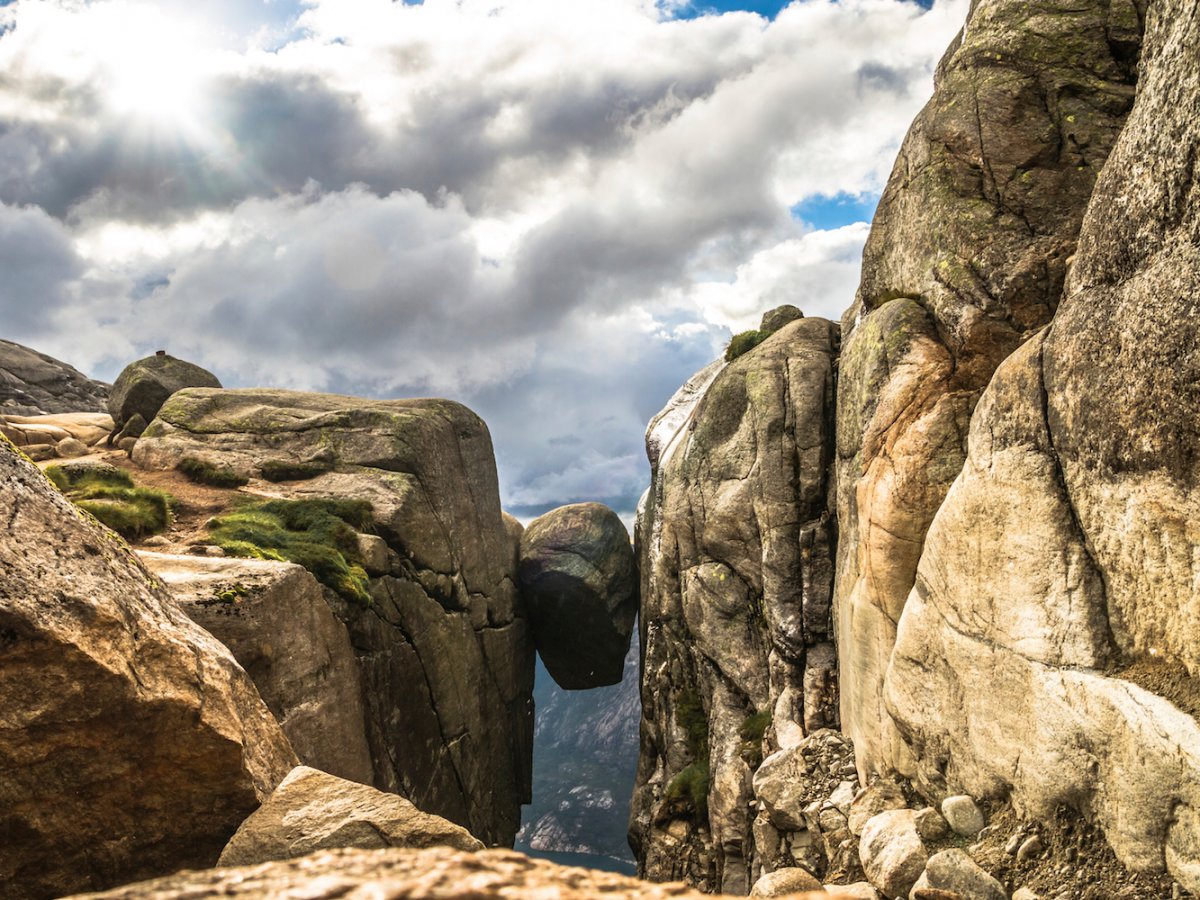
(34, 384)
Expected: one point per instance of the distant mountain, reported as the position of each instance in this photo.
(33, 384)
(584, 763)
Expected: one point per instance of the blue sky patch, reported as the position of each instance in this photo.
(825, 213)
(767, 8)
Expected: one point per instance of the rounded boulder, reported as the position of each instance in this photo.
(144, 386)
(579, 581)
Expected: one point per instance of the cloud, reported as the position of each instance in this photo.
(554, 212)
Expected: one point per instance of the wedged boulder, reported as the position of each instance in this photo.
(276, 620)
(131, 742)
(445, 655)
(968, 254)
(578, 579)
(145, 385)
(312, 810)
(34, 384)
(434, 874)
(1081, 492)
(736, 577)
(892, 852)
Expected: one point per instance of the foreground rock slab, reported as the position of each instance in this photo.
(438, 874)
(578, 578)
(131, 742)
(312, 811)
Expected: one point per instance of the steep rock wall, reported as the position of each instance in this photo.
(1074, 643)
(967, 257)
(735, 541)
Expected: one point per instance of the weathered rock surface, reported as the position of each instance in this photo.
(736, 576)
(445, 656)
(434, 874)
(144, 386)
(963, 815)
(892, 852)
(313, 810)
(578, 579)
(131, 742)
(1081, 492)
(968, 254)
(784, 882)
(34, 384)
(275, 619)
(43, 435)
(954, 870)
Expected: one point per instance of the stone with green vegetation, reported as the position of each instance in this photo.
(144, 386)
(109, 494)
(202, 471)
(131, 742)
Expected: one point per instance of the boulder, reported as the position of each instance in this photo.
(144, 386)
(788, 781)
(956, 872)
(433, 874)
(312, 810)
(878, 797)
(776, 318)
(579, 583)
(860, 890)
(1081, 493)
(86, 429)
(736, 576)
(131, 742)
(34, 384)
(785, 882)
(967, 256)
(275, 619)
(445, 654)
(892, 852)
(963, 815)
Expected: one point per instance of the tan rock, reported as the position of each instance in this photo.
(878, 797)
(131, 742)
(955, 872)
(892, 853)
(312, 811)
(785, 882)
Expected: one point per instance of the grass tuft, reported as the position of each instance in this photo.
(109, 494)
(691, 785)
(743, 343)
(318, 534)
(201, 471)
(287, 470)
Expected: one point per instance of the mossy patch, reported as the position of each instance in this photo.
(109, 494)
(744, 342)
(201, 471)
(691, 786)
(691, 717)
(754, 726)
(318, 534)
(290, 470)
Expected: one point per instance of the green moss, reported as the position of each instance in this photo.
(691, 717)
(691, 785)
(755, 726)
(318, 534)
(743, 343)
(84, 478)
(109, 494)
(288, 470)
(201, 471)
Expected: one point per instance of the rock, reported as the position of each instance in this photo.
(892, 853)
(445, 654)
(968, 255)
(1030, 848)
(70, 448)
(34, 384)
(843, 796)
(127, 444)
(131, 742)
(156, 541)
(145, 385)
(784, 882)
(312, 810)
(930, 825)
(374, 552)
(871, 801)
(275, 619)
(134, 428)
(776, 318)
(1024, 894)
(87, 429)
(955, 872)
(578, 579)
(736, 580)
(963, 815)
(39, 452)
(860, 890)
(434, 874)
(790, 780)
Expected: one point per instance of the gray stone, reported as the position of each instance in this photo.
(578, 579)
(374, 552)
(963, 815)
(892, 853)
(930, 824)
(34, 384)
(1030, 848)
(70, 448)
(312, 810)
(955, 871)
(144, 386)
(776, 318)
(871, 801)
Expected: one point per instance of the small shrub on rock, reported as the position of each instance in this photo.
(691, 785)
(318, 534)
(743, 343)
(201, 471)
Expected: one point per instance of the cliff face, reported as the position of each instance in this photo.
(736, 567)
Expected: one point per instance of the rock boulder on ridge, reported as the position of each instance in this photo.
(578, 579)
(145, 384)
(34, 384)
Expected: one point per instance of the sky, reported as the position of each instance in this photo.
(554, 211)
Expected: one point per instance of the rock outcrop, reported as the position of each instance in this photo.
(578, 579)
(445, 656)
(436, 874)
(1081, 493)
(312, 811)
(34, 384)
(144, 386)
(62, 436)
(131, 742)
(736, 574)
(967, 256)
(276, 620)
